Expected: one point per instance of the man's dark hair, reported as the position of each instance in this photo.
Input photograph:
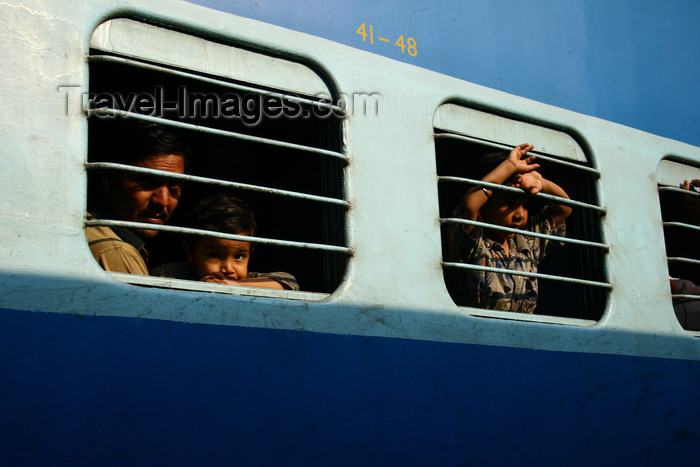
(223, 213)
(128, 141)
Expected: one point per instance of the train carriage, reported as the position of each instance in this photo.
(353, 162)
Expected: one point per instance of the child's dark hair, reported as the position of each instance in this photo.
(485, 163)
(223, 213)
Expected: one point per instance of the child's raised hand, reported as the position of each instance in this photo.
(532, 182)
(520, 165)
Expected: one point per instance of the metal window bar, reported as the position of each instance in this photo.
(208, 181)
(209, 233)
(218, 82)
(539, 155)
(510, 189)
(675, 189)
(682, 225)
(213, 131)
(680, 259)
(213, 181)
(685, 296)
(575, 241)
(536, 275)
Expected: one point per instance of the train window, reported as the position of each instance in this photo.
(571, 277)
(260, 128)
(679, 184)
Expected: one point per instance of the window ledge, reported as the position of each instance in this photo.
(196, 286)
(482, 313)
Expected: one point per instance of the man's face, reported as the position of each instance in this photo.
(144, 198)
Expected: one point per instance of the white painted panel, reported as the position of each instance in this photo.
(483, 125)
(673, 173)
(139, 40)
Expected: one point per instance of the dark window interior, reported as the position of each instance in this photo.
(681, 242)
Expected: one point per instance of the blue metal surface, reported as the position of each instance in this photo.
(580, 55)
(115, 391)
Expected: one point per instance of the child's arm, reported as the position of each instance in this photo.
(534, 182)
(261, 282)
(476, 197)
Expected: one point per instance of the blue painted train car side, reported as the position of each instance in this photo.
(140, 391)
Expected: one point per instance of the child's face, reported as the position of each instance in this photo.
(507, 211)
(210, 255)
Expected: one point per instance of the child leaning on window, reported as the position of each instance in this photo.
(499, 249)
(212, 259)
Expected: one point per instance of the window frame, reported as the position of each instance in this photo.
(469, 125)
(298, 83)
(671, 171)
